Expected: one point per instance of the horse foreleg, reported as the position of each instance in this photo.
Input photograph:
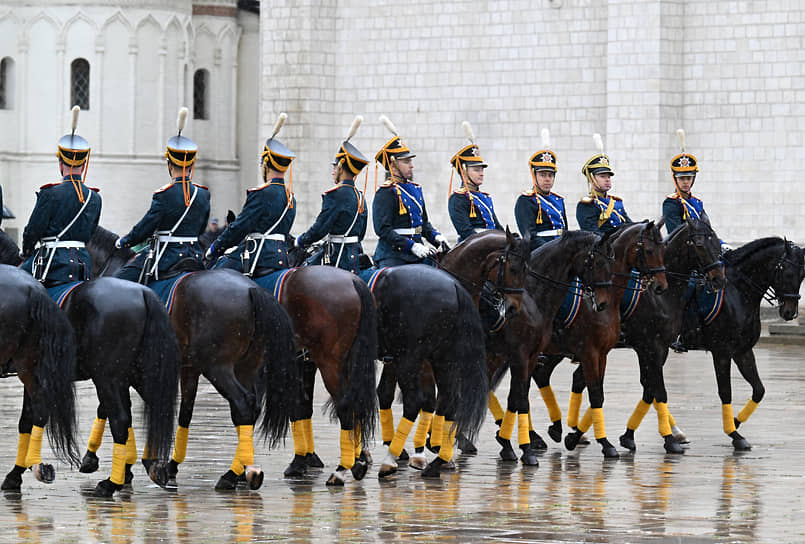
(721, 364)
(542, 377)
(89, 463)
(594, 366)
(748, 369)
(518, 408)
(13, 480)
(385, 397)
(116, 403)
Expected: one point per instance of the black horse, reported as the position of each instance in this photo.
(36, 340)
(124, 339)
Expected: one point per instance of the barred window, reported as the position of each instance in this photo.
(6, 83)
(201, 95)
(79, 83)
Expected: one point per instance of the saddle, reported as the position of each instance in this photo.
(188, 264)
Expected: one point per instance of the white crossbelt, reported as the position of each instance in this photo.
(52, 244)
(554, 232)
(409, 232)
(343, 239)
(476, 231)
(261, 236)
(166, 238)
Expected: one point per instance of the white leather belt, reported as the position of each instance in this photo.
(67, 243)
(554, 232)
(409, 232)
(165, 238)
(261, 236)
(343, 239)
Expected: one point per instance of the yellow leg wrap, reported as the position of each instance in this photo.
(22, 449)
(554, 412)
(180, 444)
(118, 464)
(448, 439)
(662, 418)
(522, 429)
(637, 416)
(671, 420)
(96, 436)
(530, 423)
(403, 430)
(299, 442)
(357, 443)
(311, 446)
(244, 454)
(586, 421)
(422, 428)
(747, 410)
(34, 454)
(598, 422)
(347, 449)
(573, 410)
(146, 452)
(436, 428)
(387, 424)
(507, 427)
(726, 418)
(131, 448)
(495, 407)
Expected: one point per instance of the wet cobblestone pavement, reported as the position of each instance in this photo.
(709, 494)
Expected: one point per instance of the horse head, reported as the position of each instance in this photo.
(706, 247)
(106, 258)
(596, 271)
(786, 278)
(645, 252)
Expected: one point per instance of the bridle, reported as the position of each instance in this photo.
(777, 274)
(645, 271)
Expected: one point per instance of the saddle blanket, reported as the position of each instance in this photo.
(370, 276)
(570, 305)
(59, 293)
(631, 297)
(274, 282)
(166, 289)
(707, 303)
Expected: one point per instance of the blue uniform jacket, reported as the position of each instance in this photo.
(589, 209)
(264, 206)
(460, 209)
(526, 212)
(339, 206)
(673, 214)
(167, 206)
(56, 205)
(389, 201)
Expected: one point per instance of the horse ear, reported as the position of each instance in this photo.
(660, 222)
(230, 217)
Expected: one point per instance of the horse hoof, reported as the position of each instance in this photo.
(159, 473)
(555, 431)
(13, 480)
(337, 478)
(466, 447)
(403, 455)
(529, 458)
(449, 466)
(44, 473)
(583, 440)
(227, 482)
(671, 445)
(89, 463)
(254, 477)
(537, 442)
(737, 423)
(739, 442)
(106, 488)
(297, 467)
(386, 470)
(679, 435)
(431, 447)
(608, 449)
(173, 469)
(359, 469)
(507, 452)
(572, 440)
(129, 475)
(434, 469)
(628, 442)
(313, 460)
(418, 461)
(366, 456)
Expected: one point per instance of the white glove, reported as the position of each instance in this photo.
(726, 247)
(441, 239)
(208, 254)
(117, 243)
(421, 251)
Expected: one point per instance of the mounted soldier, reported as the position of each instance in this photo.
(64, 218)
(540, 213)
(178, 215)
(399, 214)
(343, 216)
(681, 205)
(266, 218)
(471, 210)
(599, 211)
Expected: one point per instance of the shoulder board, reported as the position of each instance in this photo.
(530, 192)
(672, 196)
(332, 189)
(96, 189)
(49, 185)
(613, 197)
(460, 191)
(484, 193)
(201, 186)
(258, 188)
(412, 183)
(557, 195)
(385, 185)
(164, 188)
(586, 200)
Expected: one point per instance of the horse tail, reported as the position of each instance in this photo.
(54, 373)
(357, 375)
(469, 367)
(283, 377)
(159, 374)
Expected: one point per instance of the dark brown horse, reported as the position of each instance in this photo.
(37, 340)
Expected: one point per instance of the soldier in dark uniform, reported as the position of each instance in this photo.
(681, 204)
(540, 213)
(178, 215)
(64, 218)
(399, 215)
(600, 212)
(266, 218)
(471, 210)
(343, 213)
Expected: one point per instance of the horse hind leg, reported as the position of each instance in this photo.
(117, 405)
(13, 480)
(721, 364)
(189, 384)
(748, 369)
(90, 462)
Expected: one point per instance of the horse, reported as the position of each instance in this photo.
(751, 270)
(37, 340)
(331, 315)
(123, 339)
(589, 336)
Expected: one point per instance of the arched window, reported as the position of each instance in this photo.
(201, 94)
(79, 83)
(7, 83)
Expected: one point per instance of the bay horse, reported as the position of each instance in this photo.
(37, 341)
(123, 339)
(751, 270)
(590, 336)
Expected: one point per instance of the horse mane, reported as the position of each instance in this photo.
(737, 255)
(103, 238)
(9, 250)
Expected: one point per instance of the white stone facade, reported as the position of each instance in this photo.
(731, 73)
(143, 55)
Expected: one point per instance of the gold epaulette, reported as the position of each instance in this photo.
(672, 195)
(460, 191)
(96, 189)
(586, 199)
(557, 195)
(48, 185)
(530, 192)
(201, 186)
(613, 197)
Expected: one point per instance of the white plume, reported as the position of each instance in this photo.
(181, 119)
(599, 143)
(389, 125)
(681, 134)
(278, 125)
(76, 109)
(468, 131)
(355, 124)
(546, 138)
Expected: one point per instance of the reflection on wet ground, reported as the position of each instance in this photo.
(709, 494)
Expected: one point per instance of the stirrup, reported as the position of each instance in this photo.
(678, 346)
